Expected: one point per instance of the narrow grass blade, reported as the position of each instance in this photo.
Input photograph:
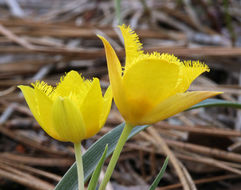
(96, 174)
(159, 176)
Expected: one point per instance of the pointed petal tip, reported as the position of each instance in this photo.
(217, 93)
(107, 46)
(101, 37)
(71, 75)
(203, 95)
(104, 41)
(108, 93)
(26, 90)
(213, 93)
(176, 104)
(73, 72)
(21, 87)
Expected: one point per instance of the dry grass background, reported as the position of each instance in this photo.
(41, 40)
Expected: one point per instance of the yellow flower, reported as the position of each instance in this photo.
(73, 111)
(152, 86)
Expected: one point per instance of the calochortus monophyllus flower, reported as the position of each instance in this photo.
(73, 111)
(150, 88)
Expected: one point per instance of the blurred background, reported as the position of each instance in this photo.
(43, 39)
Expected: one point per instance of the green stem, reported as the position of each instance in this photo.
(125, 133)
(79, 162)
(118, 11)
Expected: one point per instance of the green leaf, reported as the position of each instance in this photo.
(95, 176)
(92, 156)
(216, 102)
(159, 176)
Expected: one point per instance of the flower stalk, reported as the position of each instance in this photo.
(79, 163)
(121, 142)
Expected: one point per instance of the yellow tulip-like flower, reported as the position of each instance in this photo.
(73, 111)
(151, 87)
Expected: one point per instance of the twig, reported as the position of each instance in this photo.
(200, 130)
(18, 137)
(205, 150)
(174, 23)
(32, 170)
(8, 112)
(188, 177)
(201, 181)
(33, 183)
(90, 54)
(209, 161)
(50, 162)
(15, 38)
(192, 15)
(16, 10)
(7, 91)
(200, 159)
(238, 118)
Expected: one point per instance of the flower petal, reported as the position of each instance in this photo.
(44, 88)
(67, 120)
(91, 109)
(115, 72)
(44, 104)
(147, 82)
(107, 105)
(189, 72)
(30, 98)
(132, 44)
(71, 83)
(175, 104)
